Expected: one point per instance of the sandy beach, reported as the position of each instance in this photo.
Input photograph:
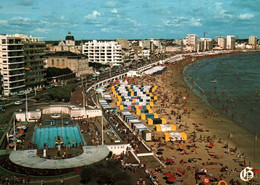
(215, 144)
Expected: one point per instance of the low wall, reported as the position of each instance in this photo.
(117, 149)
(32, 116)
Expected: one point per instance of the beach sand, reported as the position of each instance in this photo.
(208, 125)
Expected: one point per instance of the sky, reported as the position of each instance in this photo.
(130, 19)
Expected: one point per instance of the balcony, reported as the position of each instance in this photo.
(17, 87)
(14, 44)
(15, 56)
(15, 81)
(15, 50)
(14, 75)
(16, 69)
(15, 62)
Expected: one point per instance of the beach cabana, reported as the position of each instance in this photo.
(165, 128)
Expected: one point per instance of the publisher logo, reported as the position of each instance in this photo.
(246, 174)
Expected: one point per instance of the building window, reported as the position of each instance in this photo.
(52, 62)
(63, 62)
(58, 62)
(3, 41)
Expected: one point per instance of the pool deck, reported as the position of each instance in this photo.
(29, 158)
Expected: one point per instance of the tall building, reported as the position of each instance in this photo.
(252, 41)
(222, 42)
(78, 63)
(103, 52)
(191, 41)
(231, 41)
(205, 44)
(34, 63)
(21, 61)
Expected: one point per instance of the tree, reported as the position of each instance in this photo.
(105, 172)
(53, 71)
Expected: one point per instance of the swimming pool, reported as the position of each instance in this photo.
(49, 135)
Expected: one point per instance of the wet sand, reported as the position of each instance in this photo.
(208, 125)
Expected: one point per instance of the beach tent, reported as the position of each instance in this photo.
(165, 128)
(173, 136)
(155, 120)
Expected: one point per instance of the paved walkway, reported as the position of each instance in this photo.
(29, 158)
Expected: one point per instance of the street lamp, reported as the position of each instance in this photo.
(26, 105)
(14, 136)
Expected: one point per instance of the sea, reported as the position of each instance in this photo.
(231, 85)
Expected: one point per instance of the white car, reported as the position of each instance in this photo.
(18, 102)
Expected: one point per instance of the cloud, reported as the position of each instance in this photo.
(111, 4)
(95, 14)
(114, 11)
(252, 5)
(175, 21)
(3, 21)
(42, 30)
(221, 12)
(246, 16)
(19, 21)
(26, 2)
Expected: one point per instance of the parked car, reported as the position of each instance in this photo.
(18, 102)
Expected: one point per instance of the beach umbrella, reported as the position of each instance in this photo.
(24, 122)
(10, 136)
(256, 171)
(171, 179)
(185, 110)
(21, 131)
(159, 153)
(211, 144)
(206, 180)
(178, 171)
(181, 146)
(24, 127)
(170, 160)
(204, 170)
(20, 134)
(19, 127)
(11, 144)
(168, 174)
(160, 150)
(222, 182)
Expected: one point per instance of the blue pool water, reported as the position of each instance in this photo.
(49, 135)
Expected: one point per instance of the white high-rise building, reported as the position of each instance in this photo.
(103, 52)
(252, 41)
(21, 63)
(222, 42)
(205, 44)
(231, 41)
(191, 42)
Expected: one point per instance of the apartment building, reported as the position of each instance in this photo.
(252, 41)
(21, 62)
(231, 41)
(191, 42)
(104, 52)
(35, 76)
(205, 44)
(222, 42)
